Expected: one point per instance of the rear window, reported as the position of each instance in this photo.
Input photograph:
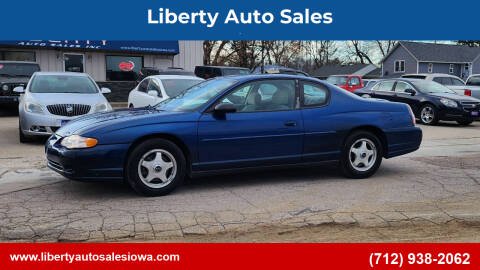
(337, 80)
(174, 87)
(18, 69)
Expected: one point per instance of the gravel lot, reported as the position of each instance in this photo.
(430, 195)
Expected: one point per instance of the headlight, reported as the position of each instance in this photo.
(76, 142)
(33, 108)
(5, 87)
(449, 103)
(102, 107)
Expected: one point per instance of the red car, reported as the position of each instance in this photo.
(347, 82)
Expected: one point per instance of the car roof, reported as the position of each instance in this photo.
(251, 77)
(18, 62)
(175, 77)
(223, 67)
(431, 75)
(78, 74)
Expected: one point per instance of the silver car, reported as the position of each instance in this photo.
(52, 99)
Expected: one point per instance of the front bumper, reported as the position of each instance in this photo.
(459, 114)
(34, 124)
(102, 162)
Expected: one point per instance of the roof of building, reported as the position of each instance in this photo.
(434, 52)
(325, 71)
(374, 73)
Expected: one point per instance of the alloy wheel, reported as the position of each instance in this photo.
(157, 168)
(363, 154)
(427, 115)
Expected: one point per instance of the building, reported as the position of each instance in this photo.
(418, 57)
(354, 69)
(113, 64)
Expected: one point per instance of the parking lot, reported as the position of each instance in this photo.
(429, 195)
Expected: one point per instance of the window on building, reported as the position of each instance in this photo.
(17, 56)
(430, 67)
(73, 62)
(400, 66)
(123, 68)
(451, 69)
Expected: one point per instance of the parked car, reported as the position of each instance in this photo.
(52, 99)
(150, 71)
(430, 101)
(449, 81)
(208, 72)
(154, 89)
(347, 82)
(368, 82)
(473, 86)
(271, 69)
(224, 124)
(13, 74)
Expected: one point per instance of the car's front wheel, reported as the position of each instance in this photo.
(155, 167)
(22, 137)
(362, 155)
(429, 115)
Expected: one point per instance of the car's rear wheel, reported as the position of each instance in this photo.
(362, 155)
(155, 167)
(130, 106)
(429, 115)
(465, 122)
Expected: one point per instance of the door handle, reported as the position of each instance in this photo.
(290, 123)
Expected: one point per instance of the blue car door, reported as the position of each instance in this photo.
(321, 141)
(266, 129)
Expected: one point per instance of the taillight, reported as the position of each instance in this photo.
(468, 92)
(412, 116)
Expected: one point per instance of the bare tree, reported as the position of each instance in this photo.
(385, 46)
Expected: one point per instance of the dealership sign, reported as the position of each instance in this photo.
(164, 46)
(126, 66)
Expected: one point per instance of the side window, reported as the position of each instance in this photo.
(354, 81)
(314, 94)
(385, 86)
(153, 85)
(142, 87)
(401, 86)
(438, 80)
(266, 95)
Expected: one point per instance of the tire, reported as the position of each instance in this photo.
(22, 137)
(465, 122)
(131, 106)
(369, 163)
(428, 115)
(156, 156)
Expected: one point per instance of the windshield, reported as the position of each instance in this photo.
(337, 80)
(62, 84)
(429, 87)
(196, 96)
(18, 69)
(474, 81)
(234, 71)
(174, 87)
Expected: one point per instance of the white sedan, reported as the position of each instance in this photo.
(154, 89)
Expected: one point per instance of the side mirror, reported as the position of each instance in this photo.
(19, 89)
(224, 108)
(105, 90)
(410, 91)
(152, 93)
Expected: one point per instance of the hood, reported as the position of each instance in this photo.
(115, 120)
(67, 98)
(5, 79)
(456, 97)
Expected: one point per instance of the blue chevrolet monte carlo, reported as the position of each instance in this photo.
(230, 123)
